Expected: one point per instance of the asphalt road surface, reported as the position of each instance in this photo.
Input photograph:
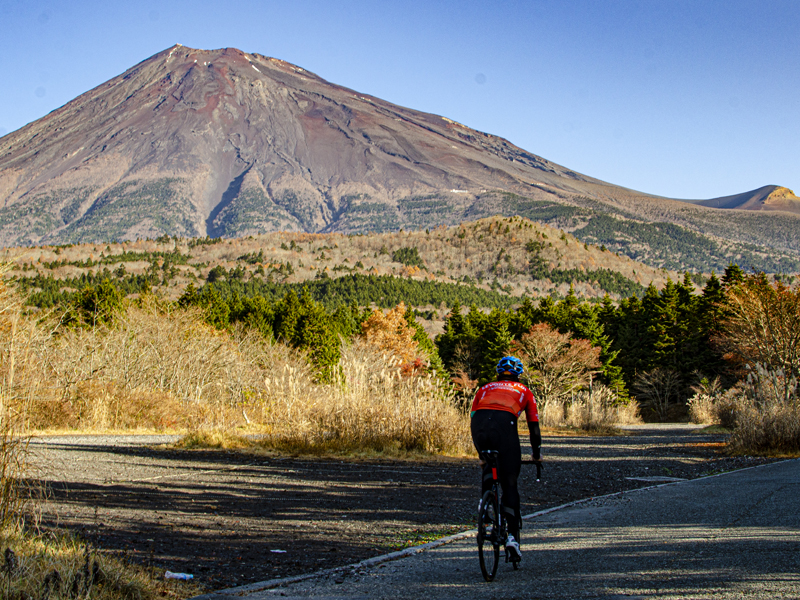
(735, 535)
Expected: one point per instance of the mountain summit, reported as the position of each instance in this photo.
(225, 143)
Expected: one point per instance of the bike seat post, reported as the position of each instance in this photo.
(490, 456)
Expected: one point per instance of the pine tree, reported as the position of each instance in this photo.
(313, 333)
(710, 313)
(217, 312)
(425, 344)
(733, 276)
(287, 313)
(495, 344)
(525, 317)
(99, 304)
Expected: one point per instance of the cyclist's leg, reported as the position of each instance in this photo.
(509, 467)
(485, 436)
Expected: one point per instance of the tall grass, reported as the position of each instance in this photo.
(596, 411)
(60, 567)
(373, 406)
(766, 418)
(155, 368)
(704, 405)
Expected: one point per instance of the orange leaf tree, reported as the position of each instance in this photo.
(557, 364)
(392, 333)
(761, 328)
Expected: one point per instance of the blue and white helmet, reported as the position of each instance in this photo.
(511, 364)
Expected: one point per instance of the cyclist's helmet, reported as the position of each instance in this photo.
(511, 364)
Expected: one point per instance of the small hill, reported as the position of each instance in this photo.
(510, 256)
(769, 197)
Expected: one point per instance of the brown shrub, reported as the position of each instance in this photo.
(764, 422)
(596, 410)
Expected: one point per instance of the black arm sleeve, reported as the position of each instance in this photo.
(536, 439)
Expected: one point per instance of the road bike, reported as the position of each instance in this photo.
(492, 528)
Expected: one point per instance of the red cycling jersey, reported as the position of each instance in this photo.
(510, 396)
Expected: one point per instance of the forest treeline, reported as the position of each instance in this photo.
(669, 329)
(730, 348)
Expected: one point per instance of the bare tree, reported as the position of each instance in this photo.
(656, 389)
(557, 363)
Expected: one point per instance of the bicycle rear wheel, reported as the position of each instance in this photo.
(488, 536)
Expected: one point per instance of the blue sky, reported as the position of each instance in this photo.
(685, 99)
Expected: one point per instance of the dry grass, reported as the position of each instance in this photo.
(153, 370)
(158, 369)
(595, 411)
(215, 439)
(59, 567)
(704, 405)
(373, 407)
(767, 430)
(702, 410)
(765, 423)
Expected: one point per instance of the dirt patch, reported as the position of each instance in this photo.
(232, 519)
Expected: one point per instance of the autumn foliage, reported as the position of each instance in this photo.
(761, 326)
(391, 332)
(557, 363)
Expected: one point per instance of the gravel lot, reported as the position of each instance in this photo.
(223, 515)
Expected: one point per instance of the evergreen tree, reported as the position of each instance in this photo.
(98, 304)
(665, 328)
(733, 276)
(287, 313)
(313, 333)
(525, 317)
(454, 331)
(346, 320)
(258, 314)
(425, 344)
(216, 308)
(495, 343)
(190, 296)
(710, 313)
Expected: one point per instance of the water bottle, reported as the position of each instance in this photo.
(184, 576)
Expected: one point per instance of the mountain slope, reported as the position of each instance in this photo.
(229, 144)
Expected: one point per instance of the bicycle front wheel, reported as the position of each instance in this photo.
(488, 536)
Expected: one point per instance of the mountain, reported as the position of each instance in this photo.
(222, 143)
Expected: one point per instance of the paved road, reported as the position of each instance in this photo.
(730, 536)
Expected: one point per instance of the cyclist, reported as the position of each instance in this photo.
(495, 410)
